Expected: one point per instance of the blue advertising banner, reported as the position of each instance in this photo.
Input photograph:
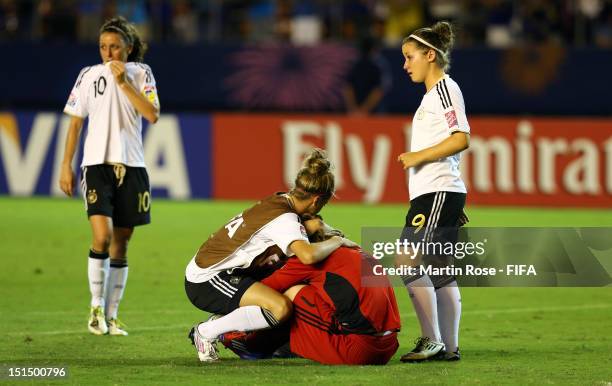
(540, 79)
(177, 154)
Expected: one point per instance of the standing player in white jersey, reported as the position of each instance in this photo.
(440, 132)
(114, 95)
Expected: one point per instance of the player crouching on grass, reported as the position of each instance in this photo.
(215, 280)
(337, 318)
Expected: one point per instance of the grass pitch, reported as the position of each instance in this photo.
(508, 335)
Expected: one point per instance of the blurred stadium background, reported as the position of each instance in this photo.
(267, 79)
(246, 88)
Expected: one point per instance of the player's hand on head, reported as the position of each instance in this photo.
(118, 69)
(349, 243)
(333, 232)
(409, 159)
(66, 181)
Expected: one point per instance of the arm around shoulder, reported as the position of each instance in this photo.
(313, 253)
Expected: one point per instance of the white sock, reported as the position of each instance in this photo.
(114, 289)
(246, 318)
(97, 273)
(449, 314)
(423, 298)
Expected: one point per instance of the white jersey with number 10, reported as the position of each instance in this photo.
(114, 132)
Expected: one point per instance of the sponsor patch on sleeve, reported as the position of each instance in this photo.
(150, 93)
(303, 230)
(451, 119)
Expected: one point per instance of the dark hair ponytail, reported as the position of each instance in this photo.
(129, 34)
(440, 35)
(445, 34)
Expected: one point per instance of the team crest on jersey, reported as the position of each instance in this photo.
(451, 119)
(72, 100)
(92, 196)
(234, 280)
(420, 114)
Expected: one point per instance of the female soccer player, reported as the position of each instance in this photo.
(114, 95)
(215, 279)
(440, 132)
(337, 318)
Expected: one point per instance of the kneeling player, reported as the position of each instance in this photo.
(337, 320)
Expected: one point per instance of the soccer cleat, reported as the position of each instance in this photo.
(425, 349)
(448, 356)
(115, 327)
(284, 352)
(236, 341)
(97, 322)
(206, 348)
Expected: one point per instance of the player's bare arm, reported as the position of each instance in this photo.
(454, 144)
(148, 110)
(66, 181)
(313, 253)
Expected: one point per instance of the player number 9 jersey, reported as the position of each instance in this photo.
(441, 113)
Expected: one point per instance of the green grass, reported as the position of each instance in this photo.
(508, 335)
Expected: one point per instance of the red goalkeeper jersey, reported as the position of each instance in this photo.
(358, 309)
